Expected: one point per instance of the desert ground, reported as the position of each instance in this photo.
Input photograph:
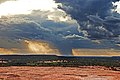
(58, 73)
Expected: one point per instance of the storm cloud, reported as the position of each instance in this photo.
(71, 24)
(97, 17)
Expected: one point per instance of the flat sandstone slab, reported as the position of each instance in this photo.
(58, 73)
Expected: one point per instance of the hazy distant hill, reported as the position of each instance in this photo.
(95, 52)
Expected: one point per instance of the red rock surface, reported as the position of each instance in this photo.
(58, 73)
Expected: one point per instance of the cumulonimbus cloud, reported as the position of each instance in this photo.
(96, 17)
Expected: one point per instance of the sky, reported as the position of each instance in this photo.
(58, 26)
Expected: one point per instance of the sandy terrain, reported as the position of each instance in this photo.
(58, 73)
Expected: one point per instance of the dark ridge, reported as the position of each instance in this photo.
(53, 60)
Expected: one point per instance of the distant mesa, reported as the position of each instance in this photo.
(95, 52)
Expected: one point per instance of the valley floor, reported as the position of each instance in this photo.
(58, 73)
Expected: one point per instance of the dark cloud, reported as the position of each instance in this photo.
(64, 36)
(94, 16)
